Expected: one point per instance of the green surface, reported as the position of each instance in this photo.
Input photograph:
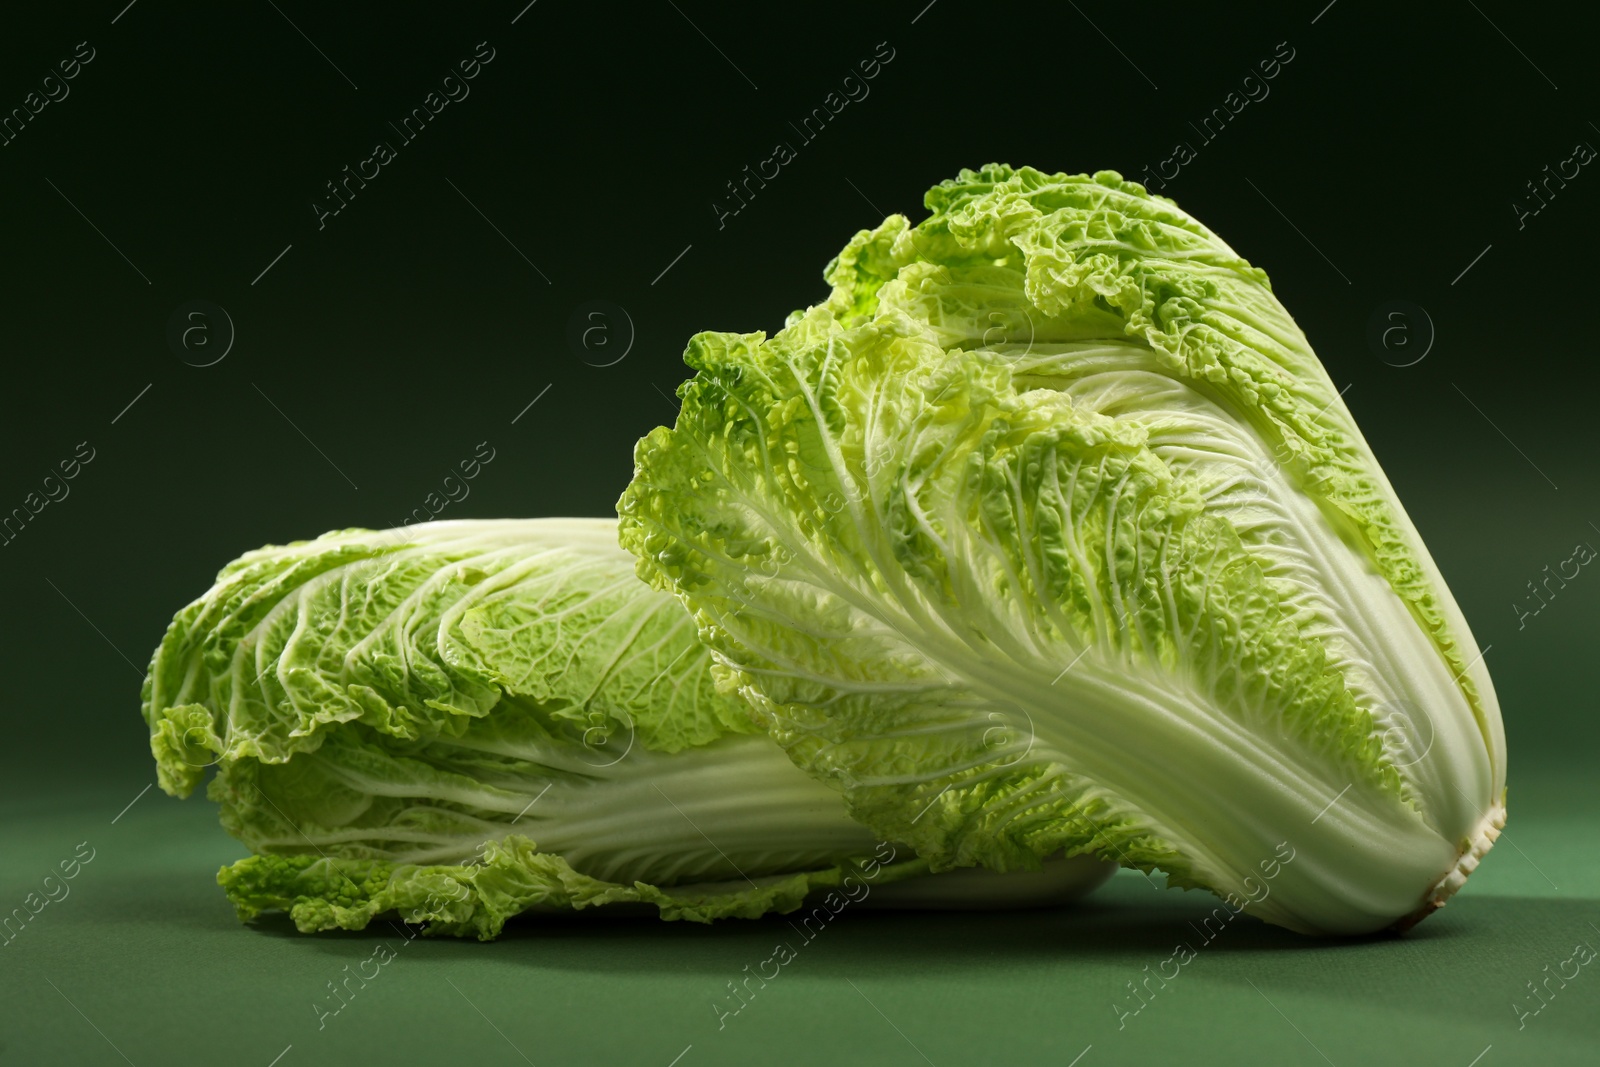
(154, 963)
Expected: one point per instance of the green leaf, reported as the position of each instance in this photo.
(1048, 530)
(404, 709)
(515, 877)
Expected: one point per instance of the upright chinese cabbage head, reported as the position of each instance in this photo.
(460, 721)
(1048, 530)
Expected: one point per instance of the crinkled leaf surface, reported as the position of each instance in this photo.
(1048, 530)
(500, 709)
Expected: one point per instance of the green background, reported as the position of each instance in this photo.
(381, 349)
